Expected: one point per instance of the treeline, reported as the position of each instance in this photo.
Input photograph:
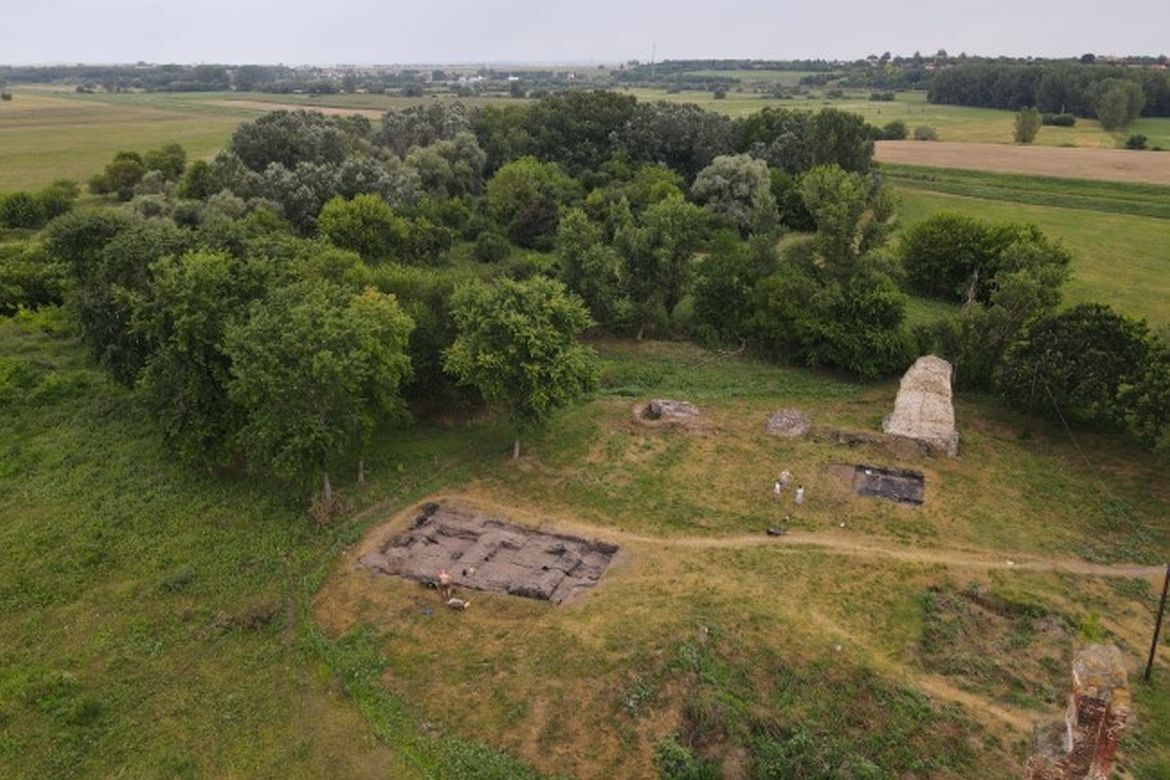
(1084, 90)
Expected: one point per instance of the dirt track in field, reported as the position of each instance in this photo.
(264, 105)
(1070, 163)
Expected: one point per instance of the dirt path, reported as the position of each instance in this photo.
(1079, 163)
(856, 546)
(263, 105)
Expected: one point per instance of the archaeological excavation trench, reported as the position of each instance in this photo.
(489, 554)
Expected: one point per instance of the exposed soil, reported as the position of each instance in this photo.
(484, 553)
(902, 486)
(264, 105)
(1069, 163)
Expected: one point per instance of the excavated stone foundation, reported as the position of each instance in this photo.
(489, 554)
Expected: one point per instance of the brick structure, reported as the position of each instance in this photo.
(1084, 744)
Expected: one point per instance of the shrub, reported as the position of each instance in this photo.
(5, 96)
(1136, 141)
(720, 94)
(1059, 120)
(884, 97)
(491, 247)
(895, 131)
(925, 133)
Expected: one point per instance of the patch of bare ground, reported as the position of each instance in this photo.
(264, 105)
(1060, 162)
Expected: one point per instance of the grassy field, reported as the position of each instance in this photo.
(1118, 258)
(161, 621)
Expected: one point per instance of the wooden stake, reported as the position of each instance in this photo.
(1158, 626)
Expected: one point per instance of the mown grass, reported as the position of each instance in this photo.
(1146, 200)
(1119, 259)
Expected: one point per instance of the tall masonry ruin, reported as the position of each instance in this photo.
(923, 410)
(1083, 745)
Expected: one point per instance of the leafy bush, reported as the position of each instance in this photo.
(884, 97)
(1059, 120)
(925, 133)
(675, 762)
(1136, 141)
(895, 131)
(491, 247)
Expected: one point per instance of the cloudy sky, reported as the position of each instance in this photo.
(434, 31)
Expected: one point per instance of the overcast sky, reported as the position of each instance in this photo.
(434, 31)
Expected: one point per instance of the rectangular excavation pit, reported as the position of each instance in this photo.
(903, 486)
(484, 553)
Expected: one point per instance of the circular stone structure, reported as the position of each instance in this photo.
(788, 423)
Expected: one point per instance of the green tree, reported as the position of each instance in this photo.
(1076, 364)
(839, 138)
(120, 176)
(170, 160)
(576, 129)
(725, 281)
(314, 368)
(1028, 121)
(854, 216)
(738, 189)
(525, 196)
(1118, 102)
(956, 257)
(183, 316)
(591, 268)
(659, 253)
(518, 346)
(366, 225)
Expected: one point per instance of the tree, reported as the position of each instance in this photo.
(833, 301)
(577, 129)
(314, 368)
(1076, 364)
(502, 134)
(738, 188)
(659, 254)
(1028, 122)
(839, 138)
(406, 128)
(1118, 102)
(449, 169)
(854, 215)
(183, 316)
(120, 176)
(366, 225)
(518, 346)
(725, 280)
(292, 137)
(525, 196)
(170, 160)
(956, 257)
(681, 136)
(591, 268)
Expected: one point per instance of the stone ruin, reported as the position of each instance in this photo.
(1082, 746)
(902, 486)
(484, 553)
(665, 410)
(923, 411)
(788, 423)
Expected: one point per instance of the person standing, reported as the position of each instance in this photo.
(799, 495)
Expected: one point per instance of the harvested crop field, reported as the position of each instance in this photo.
(1101, 164)
(264, 105)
